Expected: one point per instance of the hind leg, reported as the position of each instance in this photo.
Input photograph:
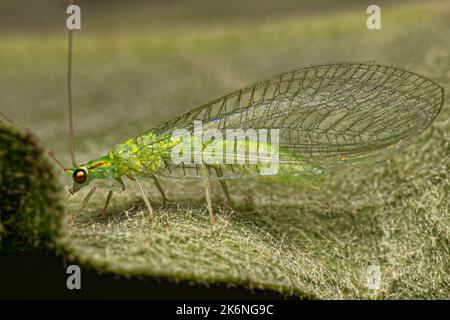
(223, 184)
(207, 185)
(158, 185)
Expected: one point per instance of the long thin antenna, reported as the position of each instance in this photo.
(51, 154)
(69, 93)
(6, 118)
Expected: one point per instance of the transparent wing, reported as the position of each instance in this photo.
(327, 114)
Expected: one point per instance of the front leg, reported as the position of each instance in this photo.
(84, 203)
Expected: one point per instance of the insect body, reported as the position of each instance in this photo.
(291, 129)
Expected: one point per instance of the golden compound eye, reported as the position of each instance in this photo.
(79, 176)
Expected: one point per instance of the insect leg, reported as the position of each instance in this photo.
(158, 185)
(84, 203)
(208, 192)
(219, 173)
(108, 198)
(146, 200)
(122, 185)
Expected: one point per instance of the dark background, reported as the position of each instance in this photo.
(42, 275)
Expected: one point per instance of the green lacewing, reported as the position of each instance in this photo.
(325, 116)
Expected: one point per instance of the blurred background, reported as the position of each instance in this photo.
(139, 63)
